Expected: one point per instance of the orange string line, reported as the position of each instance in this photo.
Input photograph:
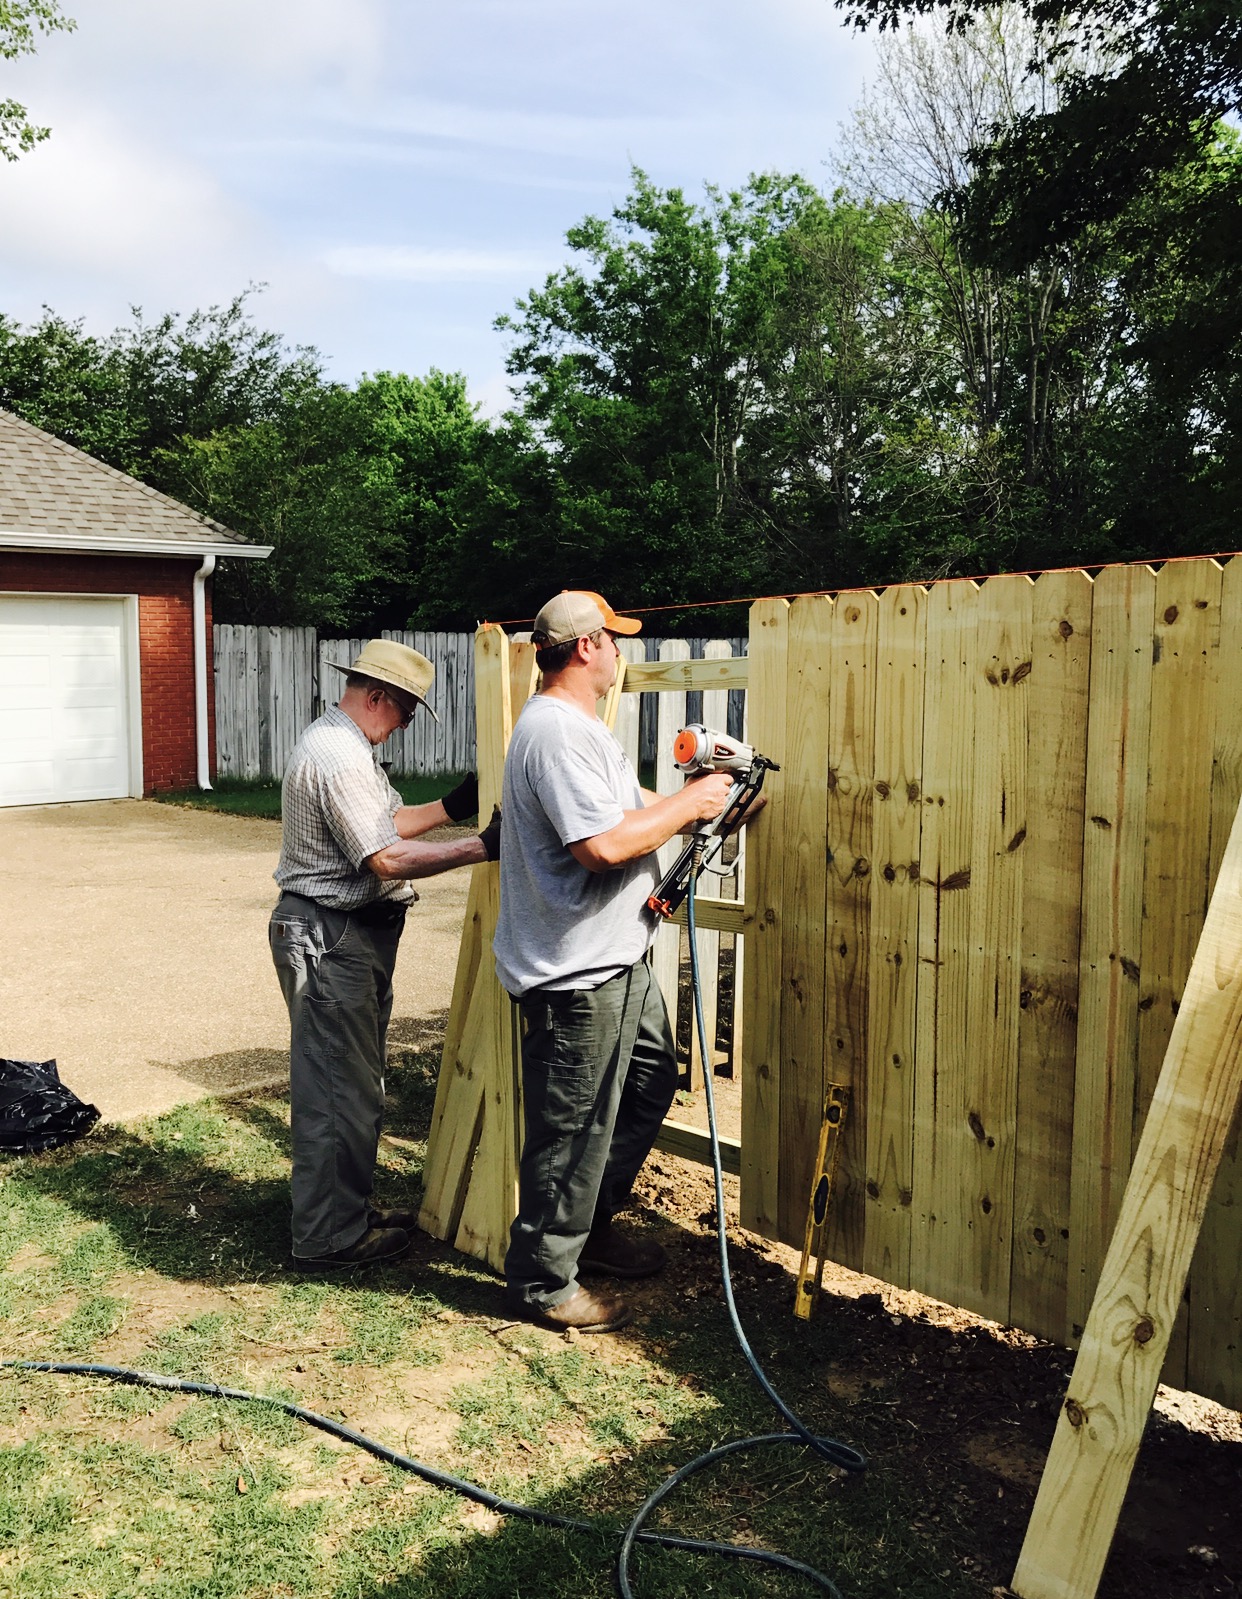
(865, 588)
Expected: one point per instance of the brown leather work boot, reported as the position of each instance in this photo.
(377, 1243)
(395, 1216)
(587, 1313)
(608, 1252)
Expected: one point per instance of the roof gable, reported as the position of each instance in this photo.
(53, 495)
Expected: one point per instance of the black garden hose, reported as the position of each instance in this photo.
(835, 1453)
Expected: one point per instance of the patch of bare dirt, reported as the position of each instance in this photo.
(973, 1403)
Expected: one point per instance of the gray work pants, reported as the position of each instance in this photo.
(599, 1072)
(335, 972)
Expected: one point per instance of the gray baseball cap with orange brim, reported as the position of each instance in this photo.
(576, 612)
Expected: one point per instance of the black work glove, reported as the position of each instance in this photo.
(463, 800)
(490, 836)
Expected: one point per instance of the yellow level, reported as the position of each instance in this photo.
(835, 1101)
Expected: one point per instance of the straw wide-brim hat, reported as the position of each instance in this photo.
(395, 664)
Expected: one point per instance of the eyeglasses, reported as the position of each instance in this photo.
(406, 713)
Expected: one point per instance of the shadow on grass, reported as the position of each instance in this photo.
(955, 1416)
(202, 1193)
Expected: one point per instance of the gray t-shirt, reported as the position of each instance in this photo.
(567, 779)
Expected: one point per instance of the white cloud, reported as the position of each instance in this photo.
(94, 198)
(276, 41)
(411, 264)
(538, 132)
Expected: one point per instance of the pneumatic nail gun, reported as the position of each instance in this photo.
(699, 749)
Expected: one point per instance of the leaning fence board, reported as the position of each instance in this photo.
(801, 990)
(1179, 810)
(1051, 915)
(762, 980)
(1136, 1304)
(456, 1117)
(491, 1199)
(892, 1037)
(1115, 805)
(1214, 1352)
(940, 1114)
(850, 780)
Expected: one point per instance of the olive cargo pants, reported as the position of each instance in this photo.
(599, 1072)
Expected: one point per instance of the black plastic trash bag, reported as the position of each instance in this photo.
(37, 1111)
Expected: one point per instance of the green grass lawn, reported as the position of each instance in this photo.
(242, 797)
(162, 1246)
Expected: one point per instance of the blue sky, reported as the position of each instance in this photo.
(397, 173)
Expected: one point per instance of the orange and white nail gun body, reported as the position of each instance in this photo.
(698, 749)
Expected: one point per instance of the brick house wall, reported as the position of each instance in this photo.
(165, 645)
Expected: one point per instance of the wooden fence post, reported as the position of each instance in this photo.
(470, 1176)
(715, 715)
(1140, 1289)
(666, 953)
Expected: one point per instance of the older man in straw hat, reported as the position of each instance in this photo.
(349, 848)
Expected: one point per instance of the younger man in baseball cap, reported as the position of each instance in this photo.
(599, 1070)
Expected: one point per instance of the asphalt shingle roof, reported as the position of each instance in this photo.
(48, 487)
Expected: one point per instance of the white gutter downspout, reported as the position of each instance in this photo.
(200, 670)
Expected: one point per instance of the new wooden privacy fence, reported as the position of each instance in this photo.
(974, 899)
(985, 870)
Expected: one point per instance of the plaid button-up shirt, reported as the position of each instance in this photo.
(337, 806)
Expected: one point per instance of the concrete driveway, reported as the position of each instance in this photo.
(136, 951)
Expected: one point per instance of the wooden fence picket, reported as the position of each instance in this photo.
(892, 1032)
(1051, 933)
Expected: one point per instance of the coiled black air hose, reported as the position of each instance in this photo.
(835, 1453)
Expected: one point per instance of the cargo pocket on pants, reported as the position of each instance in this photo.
(559, 1066)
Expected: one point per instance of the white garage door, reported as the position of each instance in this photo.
(64, 692)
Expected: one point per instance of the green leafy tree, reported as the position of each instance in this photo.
(726, 392)
(20, 22)
(1143, 85)
(426, 442)
(1039, 352)
(129, 396)
(308, 483)
(1100, 197)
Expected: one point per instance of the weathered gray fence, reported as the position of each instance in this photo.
(272, 681)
